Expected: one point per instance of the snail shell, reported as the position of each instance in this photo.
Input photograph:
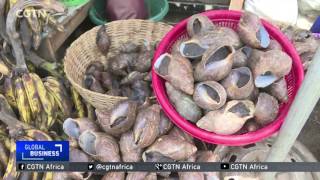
(252, 32)
(228, 120)
(268, 67)
(267, 109)
(239, 83)
(209, 95)
(199, 24)
(177, 70)
(215, 64)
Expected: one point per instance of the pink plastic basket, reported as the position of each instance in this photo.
(228, 19)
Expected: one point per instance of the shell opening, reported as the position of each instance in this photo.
(86, 175)
(87, 142)
(243, 79)
(197, 26)
(240, 109)
(119, 113)
(162, 64)
(191, 49)
(263, 37)
(118, 121)
(247, 51)
(211, 92)
(88, 81)
(156, 157)
(265, 79)
(221, 54)
(71, 128)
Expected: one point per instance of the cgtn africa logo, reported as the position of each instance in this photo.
(36, 13)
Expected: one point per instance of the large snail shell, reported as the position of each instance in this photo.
(196, 47)
(177, 132)
(97, 144)
(252, 32)
(267, 109)
(169, 147)
(177, 70)
(209, 156)
(74, 127)
(199, 24)
(141, 176)
(268, 67)
(103, 40)
(191, 175)
(216, 63)
(165, 124)
(129, 150)
(146, 128)
(183, 103)
(241, 57)
(114, 175)
(118, 120)
(228, 120)
(279, 90)
(274, 45)
(209, 95)
(239, 83)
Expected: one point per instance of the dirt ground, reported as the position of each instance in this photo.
(310, 135)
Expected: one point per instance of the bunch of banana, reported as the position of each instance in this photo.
(59, 95)
(41, 102)
(19, 131)
(27, 94)
(76, 98)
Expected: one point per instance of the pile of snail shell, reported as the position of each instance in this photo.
(127, 74)
(133, 133)
(226, 81)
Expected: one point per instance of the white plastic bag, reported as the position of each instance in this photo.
(309, 8)
(279, 11)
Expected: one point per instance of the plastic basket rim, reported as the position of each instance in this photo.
(71, 3)
(163, 12)
(229, 140)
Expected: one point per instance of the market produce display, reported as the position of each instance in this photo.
(136, 129)
(221, 80)
(224, 81)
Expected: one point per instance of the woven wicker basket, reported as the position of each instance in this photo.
(83, 51)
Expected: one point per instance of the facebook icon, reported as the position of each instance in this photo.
(22, 166)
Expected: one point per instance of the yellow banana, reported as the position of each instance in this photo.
(4, 68)
(32, 94)
(61, 99)
(11, 172)
(35, 26)
(54, 82)
(48, 19)
(9, 92)
(7, 143)
(48, 176)
(37, 135)
(91, 112)
(55, 115)
(22, 101)
(77, 102)
(12, 3)
(4, 154)
(6, 106)
(44, 96)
